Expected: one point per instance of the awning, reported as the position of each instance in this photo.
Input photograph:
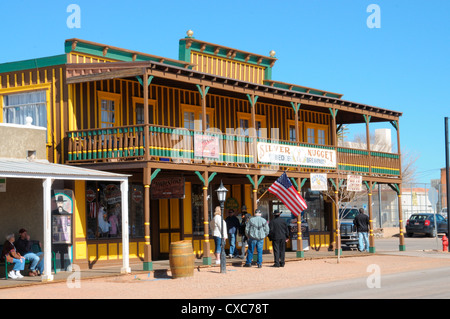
(48, 172)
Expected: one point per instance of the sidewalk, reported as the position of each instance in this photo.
(160, 267)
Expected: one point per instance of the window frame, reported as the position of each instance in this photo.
(116, 98)
(140, 100)
(316, 127)
(248, 116)
(197, 110)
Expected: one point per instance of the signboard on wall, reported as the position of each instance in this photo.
(354, 183)
(168, 187)
(206, 146)
(296, 155)
(319, 182)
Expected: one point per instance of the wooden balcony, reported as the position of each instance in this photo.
(177, 145)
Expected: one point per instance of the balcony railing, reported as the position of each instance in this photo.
(177, 145)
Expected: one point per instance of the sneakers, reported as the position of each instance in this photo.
(12, 274)
(18, 274)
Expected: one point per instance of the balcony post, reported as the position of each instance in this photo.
(148, 265)
(146, 131)
(371, 238)
(206, 243)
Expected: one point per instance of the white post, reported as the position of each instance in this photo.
(125, 229)
(47, 185)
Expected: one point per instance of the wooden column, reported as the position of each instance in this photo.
(300, 253)
(337, 250)
(148, 265)
(146, 131)
(206, 243)
(334, 141)
(252, 99)
(371, 238)
(255, 193)
(367, 119)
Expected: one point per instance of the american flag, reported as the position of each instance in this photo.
(286, 192)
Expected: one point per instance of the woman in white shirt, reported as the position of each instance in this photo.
(217, 232)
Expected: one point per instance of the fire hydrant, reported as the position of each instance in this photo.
(444, 243)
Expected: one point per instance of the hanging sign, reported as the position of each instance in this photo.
(296, 155)
(169, 187)
(354, 183)
(318, 182)
(206, 146)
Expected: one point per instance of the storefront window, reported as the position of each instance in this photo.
(197, 210)
(315, 213)
(104, 212)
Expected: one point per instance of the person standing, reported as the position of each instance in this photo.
(217, 232)
(232, 226)
(362, 225)
(245, 217)
(279, 235)
(256, 230)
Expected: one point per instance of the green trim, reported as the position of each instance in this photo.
(148, 266)
(333, 112)
(33, 63)
(260, 179)
(252, 104)
(367, 118)
(211, 177)
(251, 180)
(401, 247)
(294, 182)
(206, 260)
(332, 182)
(303, 182)
(150, 78)
(201, 92)
(300, 254)
(372, 250)
(295, 106)
(155, 173)
(200, 176)
(394, 124)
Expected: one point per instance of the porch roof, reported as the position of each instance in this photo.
(79, 73)
(22, 168)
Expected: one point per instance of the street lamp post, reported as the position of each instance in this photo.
(222, 195)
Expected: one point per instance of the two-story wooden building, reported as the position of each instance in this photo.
(179, 127)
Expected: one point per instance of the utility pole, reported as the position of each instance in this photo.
(447, 180)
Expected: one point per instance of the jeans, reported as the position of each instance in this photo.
(252, 243)
(363, 241)
(34, 258)
(217, 242)
(233, 251)
(19, 264)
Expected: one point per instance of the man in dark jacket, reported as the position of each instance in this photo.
(233, 228)
(279, 235)
(362, 224)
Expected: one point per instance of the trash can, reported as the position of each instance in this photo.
(181, 259)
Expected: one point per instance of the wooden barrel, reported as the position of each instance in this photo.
(181, 259)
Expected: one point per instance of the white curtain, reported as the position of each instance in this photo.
(18, 106)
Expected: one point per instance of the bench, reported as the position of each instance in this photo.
(36, 248)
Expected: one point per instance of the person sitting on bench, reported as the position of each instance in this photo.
(11, 255)
(24, 247)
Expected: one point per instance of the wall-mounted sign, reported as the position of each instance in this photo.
(168, 187)
(354, 183)
(319, 182)
(206, 146)
(296, 155)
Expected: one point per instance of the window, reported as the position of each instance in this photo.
(316, 134)
(104, 213)
(17, 107)
(244, 123)
(192, 117)
(138, 110)
(109, 109)
(291, 133)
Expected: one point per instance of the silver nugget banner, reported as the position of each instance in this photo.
(296, 155)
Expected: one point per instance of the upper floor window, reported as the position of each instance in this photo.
(109, 107)
(317, 134)
(245, 123)
(192, 117)
(17, 107)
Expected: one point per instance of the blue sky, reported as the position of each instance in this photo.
(404, 65)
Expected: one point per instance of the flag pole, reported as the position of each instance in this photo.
(262, 195)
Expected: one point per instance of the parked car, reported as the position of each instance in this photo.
(349, 236)
(444, 212)
(424, 224)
